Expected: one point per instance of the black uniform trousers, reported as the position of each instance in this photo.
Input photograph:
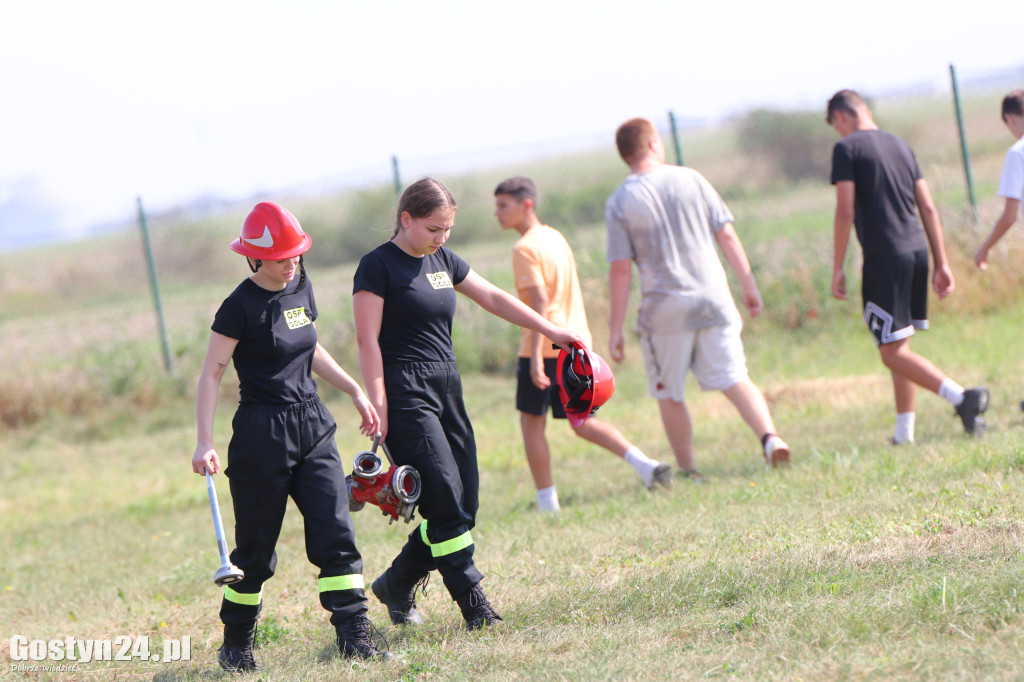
(278, 451)
(428, 428)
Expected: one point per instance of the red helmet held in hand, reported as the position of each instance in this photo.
(271, 233)
(585, 382)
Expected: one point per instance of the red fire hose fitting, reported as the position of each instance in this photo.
(395, 491)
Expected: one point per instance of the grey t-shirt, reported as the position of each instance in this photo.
(666, 220)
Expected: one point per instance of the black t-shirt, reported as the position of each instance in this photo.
(419, 301)
(276, 340)
(883, 170)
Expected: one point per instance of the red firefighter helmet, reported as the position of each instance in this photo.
(271, 233)
(585, 382)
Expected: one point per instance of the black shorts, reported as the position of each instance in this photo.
(536, 401)
(895, 295)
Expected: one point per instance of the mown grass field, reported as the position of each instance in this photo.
(861, 561)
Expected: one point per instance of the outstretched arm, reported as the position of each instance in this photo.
(330, 371)
(508, 307)
(942, 278)
(1002, 226)
(841, 230)
(218, 355)
(736, 257)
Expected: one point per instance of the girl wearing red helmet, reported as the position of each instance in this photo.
(404, 302)
(283, 437)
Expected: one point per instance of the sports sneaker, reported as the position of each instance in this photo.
(354, 639)
(692, 475)
(401, 603)
(235, 654)
(970, 410)
(661, 475)
(776, 452)
(475, 608)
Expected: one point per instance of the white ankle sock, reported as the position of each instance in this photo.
(904, 428)
(951, 392)
(547, 499)
(643, 464)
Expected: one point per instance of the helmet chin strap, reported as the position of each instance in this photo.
(256, 263)
(584, 382)
(578, 384)
(302, 275)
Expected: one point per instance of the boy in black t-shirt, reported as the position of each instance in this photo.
(880, 188)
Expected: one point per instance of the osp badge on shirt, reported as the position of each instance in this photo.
(440, 280)
(296, 317)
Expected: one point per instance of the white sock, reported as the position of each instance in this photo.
(547, 499)
(643, 464)
(951, 392)
(904, 428)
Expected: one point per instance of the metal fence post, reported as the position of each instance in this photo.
(155, 284)
(675, 138)
(963, 144)
(397, 175)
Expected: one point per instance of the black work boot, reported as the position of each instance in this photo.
(398, 597)
(354, 639)
(236, 653)
(477, 611)
(970, 410)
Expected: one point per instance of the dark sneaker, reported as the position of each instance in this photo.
(661, 476)
(354, 640)
(776, 452)
(477, 611)
(235, 654)
(693, 476)
(401, 603)
(970, 410)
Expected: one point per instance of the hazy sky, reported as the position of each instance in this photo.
(107, 100)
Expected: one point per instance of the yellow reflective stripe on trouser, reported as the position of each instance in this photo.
(448, 546)
(342, 582)
(248, 599)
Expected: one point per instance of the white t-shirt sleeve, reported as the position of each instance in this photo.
(718, 213)
(620, 246)
(1011, 186)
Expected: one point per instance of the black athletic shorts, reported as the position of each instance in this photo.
(895, 294)
(533, 400)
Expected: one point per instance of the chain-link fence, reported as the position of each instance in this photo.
(79, 330)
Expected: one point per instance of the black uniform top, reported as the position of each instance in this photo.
(419, 301)
(884, 170)
(276, 340)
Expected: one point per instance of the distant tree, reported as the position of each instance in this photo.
(798, 143)
(345, 231)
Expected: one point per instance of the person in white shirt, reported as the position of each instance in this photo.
(1011, 186)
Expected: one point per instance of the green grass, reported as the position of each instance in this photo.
(861, 561)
